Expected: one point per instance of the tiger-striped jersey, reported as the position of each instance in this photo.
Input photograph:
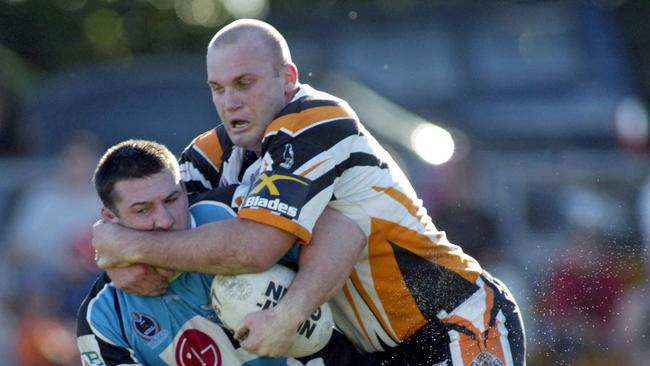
(316, 153)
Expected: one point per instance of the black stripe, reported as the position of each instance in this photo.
(319, 185)
(112, 355)
(359, 159)
(220, 194)
(306, 102)
(326, 135)
(323, 135)
(83, 328)
(433, 287)
(514, 324)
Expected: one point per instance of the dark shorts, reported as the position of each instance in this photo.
(486, 329)
(339, 351)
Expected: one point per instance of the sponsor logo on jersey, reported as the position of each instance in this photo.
(148, 328)
(195, 348)
(267, 193)
(273, 205)
(268, 182)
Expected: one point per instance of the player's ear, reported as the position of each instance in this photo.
(108, 215)
(290, 72)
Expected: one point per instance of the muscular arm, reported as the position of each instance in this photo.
(230, 246)
(325, 264)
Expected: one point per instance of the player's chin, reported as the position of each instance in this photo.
(249, 139)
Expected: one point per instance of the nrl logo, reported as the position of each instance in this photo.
(287, 155)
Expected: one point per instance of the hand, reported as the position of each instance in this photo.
(109, 243)
(140, 279)
(268, 333)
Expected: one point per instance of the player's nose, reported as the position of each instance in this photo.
(231, 100)
(164, 219)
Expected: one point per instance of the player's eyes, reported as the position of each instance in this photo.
(244, 83)
(216, 88)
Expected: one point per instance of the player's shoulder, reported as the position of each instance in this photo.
(212, 145)
(98, 308)
(311, 109)
(209, 210)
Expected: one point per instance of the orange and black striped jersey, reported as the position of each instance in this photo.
(211, 160)
(315, 154)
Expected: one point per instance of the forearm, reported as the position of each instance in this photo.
(325, 264)
(225, 247)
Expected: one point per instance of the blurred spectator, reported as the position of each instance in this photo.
(578, 297)
(52, 226)
(632, 328)
(43, 337)
(50, 249)
(633, 317)
(56, 210)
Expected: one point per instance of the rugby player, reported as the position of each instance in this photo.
(139, 184)
(410, 297)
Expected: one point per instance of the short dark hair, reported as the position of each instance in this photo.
(130, 159)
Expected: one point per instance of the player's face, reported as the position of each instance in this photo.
(157, 202)
(248, 89)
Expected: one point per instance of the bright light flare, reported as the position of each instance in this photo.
(432, 143)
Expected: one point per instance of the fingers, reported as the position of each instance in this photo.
(258, 335)
(242, 334)
(138, 279)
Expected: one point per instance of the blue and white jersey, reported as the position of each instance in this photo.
(176, 328)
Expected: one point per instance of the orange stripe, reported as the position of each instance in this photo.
(422, 245)
(209, 144)
(401, 198)
(354, 276)
(402, 311)
(309, 170)
(411, 206)
(267, 217)
(348, 296)
(493, 343)
(494, 346)
(295, 122)
(471, 347)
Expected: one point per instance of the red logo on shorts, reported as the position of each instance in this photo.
(195, 348)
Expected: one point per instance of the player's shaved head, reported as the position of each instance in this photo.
(252, 29)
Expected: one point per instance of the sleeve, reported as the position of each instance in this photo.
(200, 163)
(299, 170)
(100, 334)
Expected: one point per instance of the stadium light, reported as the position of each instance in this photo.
(391, 122)
(432, 143)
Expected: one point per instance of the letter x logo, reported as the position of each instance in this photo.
(267, 182)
